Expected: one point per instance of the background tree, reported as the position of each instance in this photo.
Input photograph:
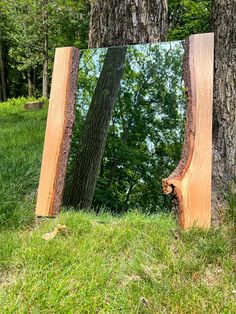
(4, 25)
(136, 22)
(3, 83)
(132, 26)
(45, 46)
(187, 17)
(224, 130)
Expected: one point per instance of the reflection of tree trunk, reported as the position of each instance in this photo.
(131, 186)
(112, 172)
(94, 134)
(224, 122)
(113, 160)
(3, 91)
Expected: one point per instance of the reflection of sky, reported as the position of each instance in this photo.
(164, 45)
(95, 58)
(144, 49)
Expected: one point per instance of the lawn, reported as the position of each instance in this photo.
(99, 263)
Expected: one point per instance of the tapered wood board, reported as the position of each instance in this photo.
(60, 122)
(191, 180)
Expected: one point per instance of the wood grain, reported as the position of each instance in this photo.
(60, 122)
(191, 180)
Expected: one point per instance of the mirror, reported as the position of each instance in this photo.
(146, 131)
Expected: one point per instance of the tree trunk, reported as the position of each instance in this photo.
(34, 81)
(127, 22)
(3, 85)
(113, 23)
(30, 84)
(45, 49)
(224, 122)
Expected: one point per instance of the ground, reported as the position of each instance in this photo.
(99, 263)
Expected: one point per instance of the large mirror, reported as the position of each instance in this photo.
(146, 129)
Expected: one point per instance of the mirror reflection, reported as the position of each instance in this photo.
(147, 122)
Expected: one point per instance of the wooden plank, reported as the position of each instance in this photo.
(58, 131)
(191, 180)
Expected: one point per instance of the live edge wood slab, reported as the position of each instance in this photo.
(191, 180)
(58, 131)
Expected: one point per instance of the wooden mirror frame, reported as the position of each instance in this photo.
(60, 121)
(191, 180)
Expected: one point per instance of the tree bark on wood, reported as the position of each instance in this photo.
(58, 131)
(45, 49)
(224, 122)
(113, 23)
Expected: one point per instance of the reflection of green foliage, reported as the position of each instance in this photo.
(145, 136)
(188, 17)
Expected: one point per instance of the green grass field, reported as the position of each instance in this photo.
(101, 263)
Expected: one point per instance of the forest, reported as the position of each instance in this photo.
(117, 244)
(29, 33)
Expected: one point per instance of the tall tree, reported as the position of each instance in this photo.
(45, 47)
(3, 83)
(224, 128)
(3, 31)
(136, 21)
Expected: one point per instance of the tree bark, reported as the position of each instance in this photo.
(113, 23)
(45, 49)
(30, 84)
(224, 122)
(3, 84)
(94, 134)
(127, 22)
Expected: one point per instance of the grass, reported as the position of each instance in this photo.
(21, 144)
(100, 263)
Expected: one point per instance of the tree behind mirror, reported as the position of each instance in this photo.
(146, 132)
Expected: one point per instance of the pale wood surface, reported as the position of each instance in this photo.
(191, 181)
(58, 131)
